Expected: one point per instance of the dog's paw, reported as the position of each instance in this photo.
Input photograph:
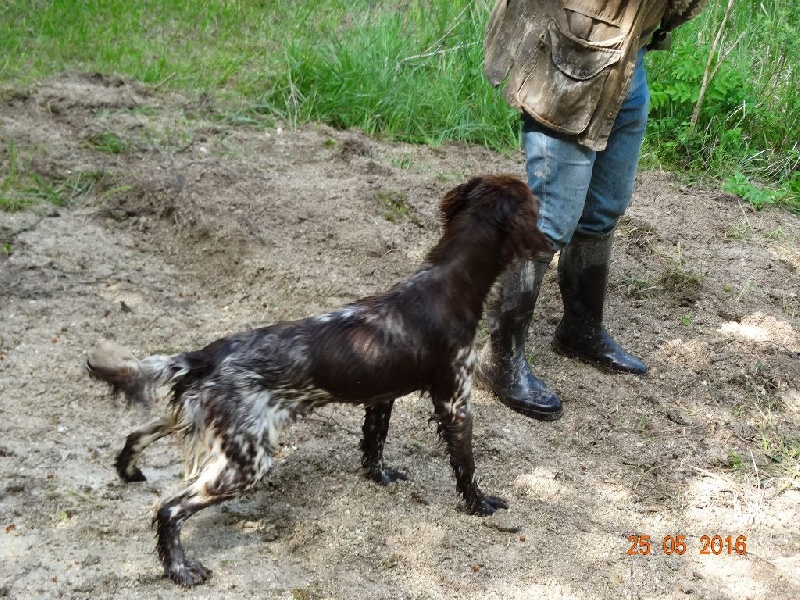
(133, 475)
(495, 503)
(188, 574)
(386, 476)
(389, 475)
(487, 505)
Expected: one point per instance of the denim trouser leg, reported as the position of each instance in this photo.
(580, 189)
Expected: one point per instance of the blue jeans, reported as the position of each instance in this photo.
(580, 189)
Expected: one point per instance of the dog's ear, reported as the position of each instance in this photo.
(458, 198)
(526, 239)
(507, 203)
(516, 210)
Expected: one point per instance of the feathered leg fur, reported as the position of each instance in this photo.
(135, 445)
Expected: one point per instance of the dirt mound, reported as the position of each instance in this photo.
(161, 223)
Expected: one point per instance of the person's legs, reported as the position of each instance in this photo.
(583, 264)
(614, 171)
(559, 173)
(582, 195)
(503, 365)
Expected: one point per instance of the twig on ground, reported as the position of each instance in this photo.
(330, 419)
(708, 473)
(744, 214)
(751, 519)
(435, 52)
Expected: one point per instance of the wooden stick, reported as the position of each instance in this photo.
(708, 74)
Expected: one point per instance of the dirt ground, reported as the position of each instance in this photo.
(184, 222)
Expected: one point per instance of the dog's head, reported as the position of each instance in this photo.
(504, 203)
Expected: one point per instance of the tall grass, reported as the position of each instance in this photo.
(411, 70)
(413, 74)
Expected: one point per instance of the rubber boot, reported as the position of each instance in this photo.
(582, 277)
(503, 367)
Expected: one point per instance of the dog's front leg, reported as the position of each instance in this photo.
(454, 418)
(375, 428)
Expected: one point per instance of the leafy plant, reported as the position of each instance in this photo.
(639, 286)
(741, 186)
(750, 118)
(395, 206)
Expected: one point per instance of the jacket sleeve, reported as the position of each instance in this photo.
(680, 11)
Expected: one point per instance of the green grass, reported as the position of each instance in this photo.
(218, 45)
(108, 142)
(21, 187)
(411, 70)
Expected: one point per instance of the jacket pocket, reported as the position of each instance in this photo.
(566, 79)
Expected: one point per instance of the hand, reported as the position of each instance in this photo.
(661, 40)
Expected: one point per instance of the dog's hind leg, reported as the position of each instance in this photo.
(375, 428)
(221, 479)
(135, 444)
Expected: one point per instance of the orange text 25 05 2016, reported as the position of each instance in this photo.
(677, 544)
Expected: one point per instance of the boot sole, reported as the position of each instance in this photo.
(559, 348)
(484, 383)
(539, 416)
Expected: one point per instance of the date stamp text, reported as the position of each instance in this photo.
(717, 545)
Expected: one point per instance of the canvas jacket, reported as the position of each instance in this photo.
(567, 63)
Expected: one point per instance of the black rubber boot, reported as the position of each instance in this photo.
(582, 277)
(503, 368)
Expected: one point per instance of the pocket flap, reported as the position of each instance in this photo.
(576, 58)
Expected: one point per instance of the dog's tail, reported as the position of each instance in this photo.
(138, 380)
